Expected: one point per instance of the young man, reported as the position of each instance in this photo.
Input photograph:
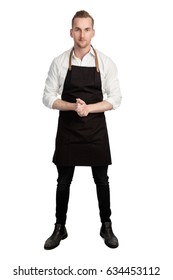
(76, 83)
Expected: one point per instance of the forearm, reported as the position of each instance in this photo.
(100, 107)
(81, 107)
(63, 105)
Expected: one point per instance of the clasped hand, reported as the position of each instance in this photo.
(81, 108)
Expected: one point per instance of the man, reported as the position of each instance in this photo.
(76, 83)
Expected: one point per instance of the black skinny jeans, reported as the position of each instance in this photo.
(65, 176)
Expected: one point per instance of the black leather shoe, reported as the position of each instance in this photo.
(106, 232)
(58, 234)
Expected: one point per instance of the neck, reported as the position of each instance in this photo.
(81, 52)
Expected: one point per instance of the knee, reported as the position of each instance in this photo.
(101, 180)
(64, 181)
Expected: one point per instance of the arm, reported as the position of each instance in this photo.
(51, 98)
(53, 88)
(110, 83)
(110, 87)
(64, 105)
(100, 107)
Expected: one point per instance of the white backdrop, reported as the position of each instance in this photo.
(137, 35)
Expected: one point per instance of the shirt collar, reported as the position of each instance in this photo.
(90, 52)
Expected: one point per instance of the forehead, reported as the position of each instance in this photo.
(82, 22)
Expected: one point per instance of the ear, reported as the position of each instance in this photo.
(71, 33)
(93, 32)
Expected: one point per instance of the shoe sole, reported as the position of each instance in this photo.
(62, 238)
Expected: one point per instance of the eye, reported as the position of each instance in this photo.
(76, 29)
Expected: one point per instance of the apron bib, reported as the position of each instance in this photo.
(82, 141)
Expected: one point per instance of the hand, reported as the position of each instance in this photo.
(82, 108)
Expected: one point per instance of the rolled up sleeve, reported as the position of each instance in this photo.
(111, 85)
(51, 86)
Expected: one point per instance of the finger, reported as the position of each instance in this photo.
(80, 101)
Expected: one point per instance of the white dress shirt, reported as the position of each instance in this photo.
(58, 70)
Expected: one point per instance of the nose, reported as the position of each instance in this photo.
(82, 34)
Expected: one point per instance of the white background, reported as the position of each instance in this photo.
(137, 35)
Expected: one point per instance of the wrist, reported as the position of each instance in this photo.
(71, 106)
(89, 108)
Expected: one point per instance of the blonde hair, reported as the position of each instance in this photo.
(82, 14)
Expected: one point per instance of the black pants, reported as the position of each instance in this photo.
(65, 176)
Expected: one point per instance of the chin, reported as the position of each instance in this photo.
(82, 45)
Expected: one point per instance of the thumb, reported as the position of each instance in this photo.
(80, 101)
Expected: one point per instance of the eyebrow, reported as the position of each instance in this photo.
(76, 27)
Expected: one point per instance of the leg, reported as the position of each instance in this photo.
(103, 193)
(65, 176)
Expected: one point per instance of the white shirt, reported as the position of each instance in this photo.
(58, 70)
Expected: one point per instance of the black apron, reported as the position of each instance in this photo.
(82, 141)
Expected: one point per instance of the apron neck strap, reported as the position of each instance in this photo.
(96, 59)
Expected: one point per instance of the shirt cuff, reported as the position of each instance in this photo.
(114, 101)
(48, 102)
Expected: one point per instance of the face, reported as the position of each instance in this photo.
(82, 32)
